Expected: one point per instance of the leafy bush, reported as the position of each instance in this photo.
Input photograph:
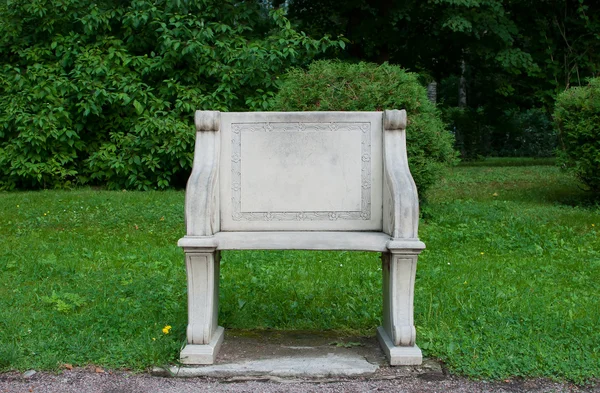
(104, 92)
(339, 86)
(577, 116)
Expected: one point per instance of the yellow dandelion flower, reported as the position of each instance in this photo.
(166, 329)
(482, 253)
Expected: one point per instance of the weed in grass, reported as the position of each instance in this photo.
(65, 302)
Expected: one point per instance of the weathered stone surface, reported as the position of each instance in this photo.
(298, 366)
(301, 171)
(302, 180)
(204, 353)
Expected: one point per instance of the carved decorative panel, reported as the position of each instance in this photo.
(300, 171)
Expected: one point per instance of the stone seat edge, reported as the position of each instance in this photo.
(299, 240)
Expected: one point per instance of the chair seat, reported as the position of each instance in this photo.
(309, 240)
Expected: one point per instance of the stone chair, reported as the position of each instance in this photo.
(301, 181)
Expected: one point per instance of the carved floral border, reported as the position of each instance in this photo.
(236, 172)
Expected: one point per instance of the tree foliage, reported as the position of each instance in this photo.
(431, 36)
(104, 92)
(517, 55)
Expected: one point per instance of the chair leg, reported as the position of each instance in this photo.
(204, 336)
(397, 335)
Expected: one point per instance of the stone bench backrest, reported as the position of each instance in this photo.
(300, 171)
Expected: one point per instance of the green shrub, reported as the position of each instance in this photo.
(339, 86)
(577, 116)
(104, 92)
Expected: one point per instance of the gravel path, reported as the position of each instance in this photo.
(88, 380)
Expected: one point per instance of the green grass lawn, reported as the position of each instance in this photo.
(508, 286)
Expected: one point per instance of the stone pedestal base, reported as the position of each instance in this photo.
(203, 354)
(399, 356)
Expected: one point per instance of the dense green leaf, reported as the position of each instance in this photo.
(105, 91)
(577, 115)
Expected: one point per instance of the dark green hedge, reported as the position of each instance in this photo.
(577, 116)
